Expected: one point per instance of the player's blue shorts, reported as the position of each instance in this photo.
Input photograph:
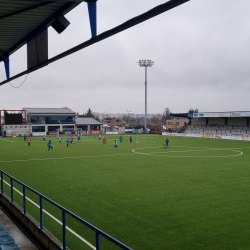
(116, 146)
(28, 143)
(44, 139)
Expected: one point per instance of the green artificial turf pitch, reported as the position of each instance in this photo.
(192, 195)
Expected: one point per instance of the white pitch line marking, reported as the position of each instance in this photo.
(73, 157)
(54, 218)
(7, 140)
(134, 153)
(189, 156)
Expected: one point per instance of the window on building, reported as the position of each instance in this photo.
(83, 127)
(95, 127)
(168, 123)
(177, 123)
(117, 120)
(68, 128)
(172, 123)
(38, 128)
(53, 128)
(185, 123)
(59, 119)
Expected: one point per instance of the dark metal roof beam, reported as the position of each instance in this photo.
(25, 9)
(128, 24)
(36, 31)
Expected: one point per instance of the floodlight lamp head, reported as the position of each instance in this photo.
(145, 63)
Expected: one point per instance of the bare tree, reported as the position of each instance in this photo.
(156, 118)
(166, 115)
(191, 111)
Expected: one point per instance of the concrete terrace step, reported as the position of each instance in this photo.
(6, 241)
(10, 247)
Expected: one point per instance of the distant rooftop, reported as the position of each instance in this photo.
(49, 110)
(87, 121)
(177, 118)
(140, 122)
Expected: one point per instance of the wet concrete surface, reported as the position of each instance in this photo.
(20, 238)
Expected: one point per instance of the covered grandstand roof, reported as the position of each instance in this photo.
(26, 22)
(179, 115)
(20, 20)
(87, 121)
(49, 111)
(220, 114)
(212, 114)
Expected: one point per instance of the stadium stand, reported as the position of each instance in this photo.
(213, 124)
(234, 123)
(226, 130)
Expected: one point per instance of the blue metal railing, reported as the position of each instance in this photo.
(98, 232)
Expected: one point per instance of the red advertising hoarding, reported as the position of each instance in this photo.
(95, 132)
(53, 133)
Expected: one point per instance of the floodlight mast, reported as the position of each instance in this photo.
(146, 63)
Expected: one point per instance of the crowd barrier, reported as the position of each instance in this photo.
(64, 211)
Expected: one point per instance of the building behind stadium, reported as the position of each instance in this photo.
(40, 121)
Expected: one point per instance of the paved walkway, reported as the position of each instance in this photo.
(19, 237)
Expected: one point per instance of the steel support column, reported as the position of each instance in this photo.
(146, 98)
(6, 61)
(92, 17)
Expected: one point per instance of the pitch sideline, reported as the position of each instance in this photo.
(189, 156)
(54, 218)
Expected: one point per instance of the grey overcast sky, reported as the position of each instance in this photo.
(201, 51)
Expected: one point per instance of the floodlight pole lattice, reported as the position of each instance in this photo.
(146, 63)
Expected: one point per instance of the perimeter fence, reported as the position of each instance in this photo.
(64, 212)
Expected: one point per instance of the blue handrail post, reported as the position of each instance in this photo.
(41, 212)
(92, 16)
(24, 200)
(12, 194)
(64, 229)
(97, 241)
(6, 61)
(2, 182)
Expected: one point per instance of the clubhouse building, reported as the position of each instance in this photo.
(40, 121)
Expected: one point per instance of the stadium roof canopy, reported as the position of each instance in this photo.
(26, 22)
(21, 20)
(182, 115)
(212, 114)
(49, 111)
